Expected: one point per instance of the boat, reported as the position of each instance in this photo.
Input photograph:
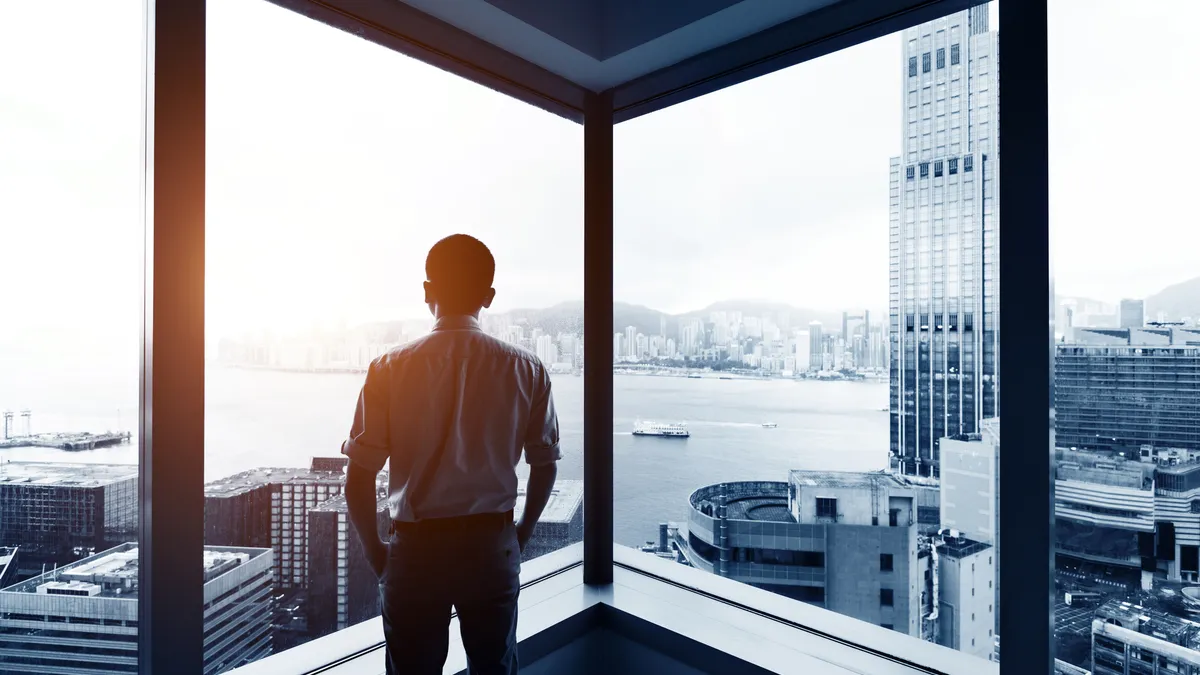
(667, 429)
(769, 425)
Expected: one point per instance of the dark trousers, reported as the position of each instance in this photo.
(471, 564)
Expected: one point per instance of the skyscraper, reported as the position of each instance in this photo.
(816, 346)
(630, 341)
(1133, 313)
(944, 277)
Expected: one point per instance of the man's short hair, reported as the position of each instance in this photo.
(461, 268)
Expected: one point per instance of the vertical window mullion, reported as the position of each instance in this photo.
(171, 451)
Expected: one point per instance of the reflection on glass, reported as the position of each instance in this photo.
(71, 243)
(806, 381)
(1127, 343)
(333, 165)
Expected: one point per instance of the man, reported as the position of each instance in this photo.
(451, 412)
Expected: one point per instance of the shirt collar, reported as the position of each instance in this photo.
(458, 322)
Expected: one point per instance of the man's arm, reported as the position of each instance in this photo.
(368, 449)
(542, 454)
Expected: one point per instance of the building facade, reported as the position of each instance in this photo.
(944, 240)
(967, 613)
(83, 617)
(342, 587)
(843, 541)
(269, 507)
(1120, 397)
(1133, 313)
(59, 512)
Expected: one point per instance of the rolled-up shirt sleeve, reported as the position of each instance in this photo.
(368, 444)
(541, 436)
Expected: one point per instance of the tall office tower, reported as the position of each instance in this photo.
(1133, 313)
(856, 332)
(944, 290)
(630, 341)
(816, 346)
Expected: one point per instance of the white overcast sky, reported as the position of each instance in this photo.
(334, 163)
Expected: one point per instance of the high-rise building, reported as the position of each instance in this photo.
(944, 239)
(269, 507)
(630, 341)
(83, 617)
(59, 512)
(1133, 313)
(1125, 396)
(618, 347)
(342, 587)
(816, 346)
(546, 350)
(856, 332)
(840, 540)
(966, 600)
(970, 492)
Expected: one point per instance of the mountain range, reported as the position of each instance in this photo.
(1176, 301)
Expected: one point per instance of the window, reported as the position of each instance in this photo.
(886, 597)
(72, 241)
(968, 163)
(954, 56)
(298, 307)
(953, 165)
(1123, 404)
(941, 57)
(741, 374)
(925, 62)
(912, 66)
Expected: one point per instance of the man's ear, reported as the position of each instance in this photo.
(428, 292)
(487, 299)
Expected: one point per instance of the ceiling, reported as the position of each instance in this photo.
(646, 54)
(600, 44)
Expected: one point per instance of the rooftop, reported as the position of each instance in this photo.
(240, 483)
(960, 547)
(65, 474)
(114, 573)
(844, 479)
(566, 499)
(338, 504)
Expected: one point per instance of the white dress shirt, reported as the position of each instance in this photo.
(452, 411)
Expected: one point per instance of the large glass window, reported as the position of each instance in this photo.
(1127, 340)
(776, 394)
(333, 165)
(71, 275)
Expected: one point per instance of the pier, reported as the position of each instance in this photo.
(70, 441)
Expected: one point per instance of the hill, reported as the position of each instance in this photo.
(1178, 300)
(567, 317)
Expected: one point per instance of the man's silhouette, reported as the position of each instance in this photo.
(451, 412)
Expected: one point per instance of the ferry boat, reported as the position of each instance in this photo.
(769, 425)
(669, 430)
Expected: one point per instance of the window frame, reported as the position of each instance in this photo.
(171, 418)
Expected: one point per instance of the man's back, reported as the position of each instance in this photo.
(468, 403)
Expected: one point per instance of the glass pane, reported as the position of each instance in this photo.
(805, 371)
(333, 165)
(1127, 353)
(71, 269)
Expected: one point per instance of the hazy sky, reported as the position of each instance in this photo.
(334, 163)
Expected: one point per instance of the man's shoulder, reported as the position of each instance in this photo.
(430, 344)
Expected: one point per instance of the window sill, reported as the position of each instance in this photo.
(763, 630)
